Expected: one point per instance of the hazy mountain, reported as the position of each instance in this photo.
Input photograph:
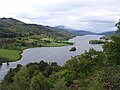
(62, 27)
(82, 32)
(73, 31)
(108, 33)
(62, 31)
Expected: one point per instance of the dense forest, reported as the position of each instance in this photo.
(93, 70)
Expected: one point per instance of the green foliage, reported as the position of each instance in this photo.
(5, 86)
(89, 62)
(39, 82)
(9, 77)
(118, 27)
(112, 50)
(110, 78)
(72, 64)
(106, 79)
(21, 79)
(33, 70)
(60, 85)
(96, 85)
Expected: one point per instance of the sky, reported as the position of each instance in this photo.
(90, 15)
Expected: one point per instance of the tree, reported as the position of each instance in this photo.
(89, 62)
(39, 82)
(60, 85)
(108, 78)
(21, 79)
(72, 64)
(118, 27)
(6, 86)
(42, 65)
(112, 50)
(32, 70)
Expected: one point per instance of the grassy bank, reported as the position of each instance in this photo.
(10, 55)
(10, 52)
(56, 44)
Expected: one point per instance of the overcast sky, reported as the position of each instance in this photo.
(91, 15)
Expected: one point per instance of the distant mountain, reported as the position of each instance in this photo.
(108, 33)
(62, 31)
(12, 28)
(73, 31)
(82, 32)
(62, 27)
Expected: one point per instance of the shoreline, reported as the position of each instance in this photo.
(5, 68)
(21, 51)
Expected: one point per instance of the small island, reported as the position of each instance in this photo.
(73, 49)
(105, 38)
(97, 42)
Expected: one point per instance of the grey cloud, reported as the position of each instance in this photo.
(78, 14)
(99, 20)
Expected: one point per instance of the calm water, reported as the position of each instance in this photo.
(53, 54)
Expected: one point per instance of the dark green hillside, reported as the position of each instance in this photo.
(11, 28)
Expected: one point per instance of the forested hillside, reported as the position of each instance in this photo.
(10, 28)
(93, 70)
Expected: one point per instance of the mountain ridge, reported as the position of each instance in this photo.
(11, 28)
(108, 33)
(84, 32)
(74, 31)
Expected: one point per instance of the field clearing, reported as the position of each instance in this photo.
(10, 55)
(56, 44)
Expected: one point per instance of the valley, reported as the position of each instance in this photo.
(36, 57)
(17, 36)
